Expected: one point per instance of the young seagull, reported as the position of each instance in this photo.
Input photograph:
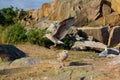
(53, 39)
(62, 56)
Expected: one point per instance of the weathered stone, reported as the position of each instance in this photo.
(111, 19)
(28, 61)
(83, 45)
(100, 34)
(91, 9)
(115, 61)
(10, 53)
(52, 27)
(82, 10)
(116, 5)
(43, 24)
(106, 10)
(114, 37)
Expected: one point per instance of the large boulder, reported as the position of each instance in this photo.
(84, 45)
(100, 34)
(10, 53)
(114, 37)
(115, 5)
(27, 61)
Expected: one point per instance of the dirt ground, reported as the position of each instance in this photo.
(79, 66)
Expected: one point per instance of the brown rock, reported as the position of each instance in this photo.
(91, 9)
(99, 33)
(111, 19)
(106, 10)
(114, 37)
(116, 5)
(80, 9)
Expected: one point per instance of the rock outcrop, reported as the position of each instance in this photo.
(114, 37)
(10, 53)
(110, 19)
(82, 10)
(84, 45)
(100, 34)
(115, 5)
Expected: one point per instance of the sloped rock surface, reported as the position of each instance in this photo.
(100, 34)
(10, 53)
(83, 45)
(115, 5)
(25, 62)
(110, 19)
(114, 37)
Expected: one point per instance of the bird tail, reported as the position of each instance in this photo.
(60, 42)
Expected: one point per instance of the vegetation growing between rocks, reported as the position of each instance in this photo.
(35, 36)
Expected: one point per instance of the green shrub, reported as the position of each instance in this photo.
(68, 43)
(35, 36)
(1, 33)
(15, 34)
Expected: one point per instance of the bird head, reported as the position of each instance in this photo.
(65, 51)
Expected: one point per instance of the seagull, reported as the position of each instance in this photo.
(61, 57)
(104, 53)
(62, 29)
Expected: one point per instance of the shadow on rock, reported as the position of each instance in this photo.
(78, 64)
(10, 53)
(11, 71)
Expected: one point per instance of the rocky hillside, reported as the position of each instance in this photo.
(86, 12)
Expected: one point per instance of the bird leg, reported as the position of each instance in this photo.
(62, 65)
(55, 45)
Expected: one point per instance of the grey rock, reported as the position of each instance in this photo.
(82, 45)
(27, 61)
(10, 53)
(52, 27)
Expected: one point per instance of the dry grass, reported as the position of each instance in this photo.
(82, 63)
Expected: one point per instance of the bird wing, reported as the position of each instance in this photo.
(63, 28)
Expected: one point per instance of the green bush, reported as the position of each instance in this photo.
(15, 34)
(35, 36)
(68, 43)
(1, 33)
